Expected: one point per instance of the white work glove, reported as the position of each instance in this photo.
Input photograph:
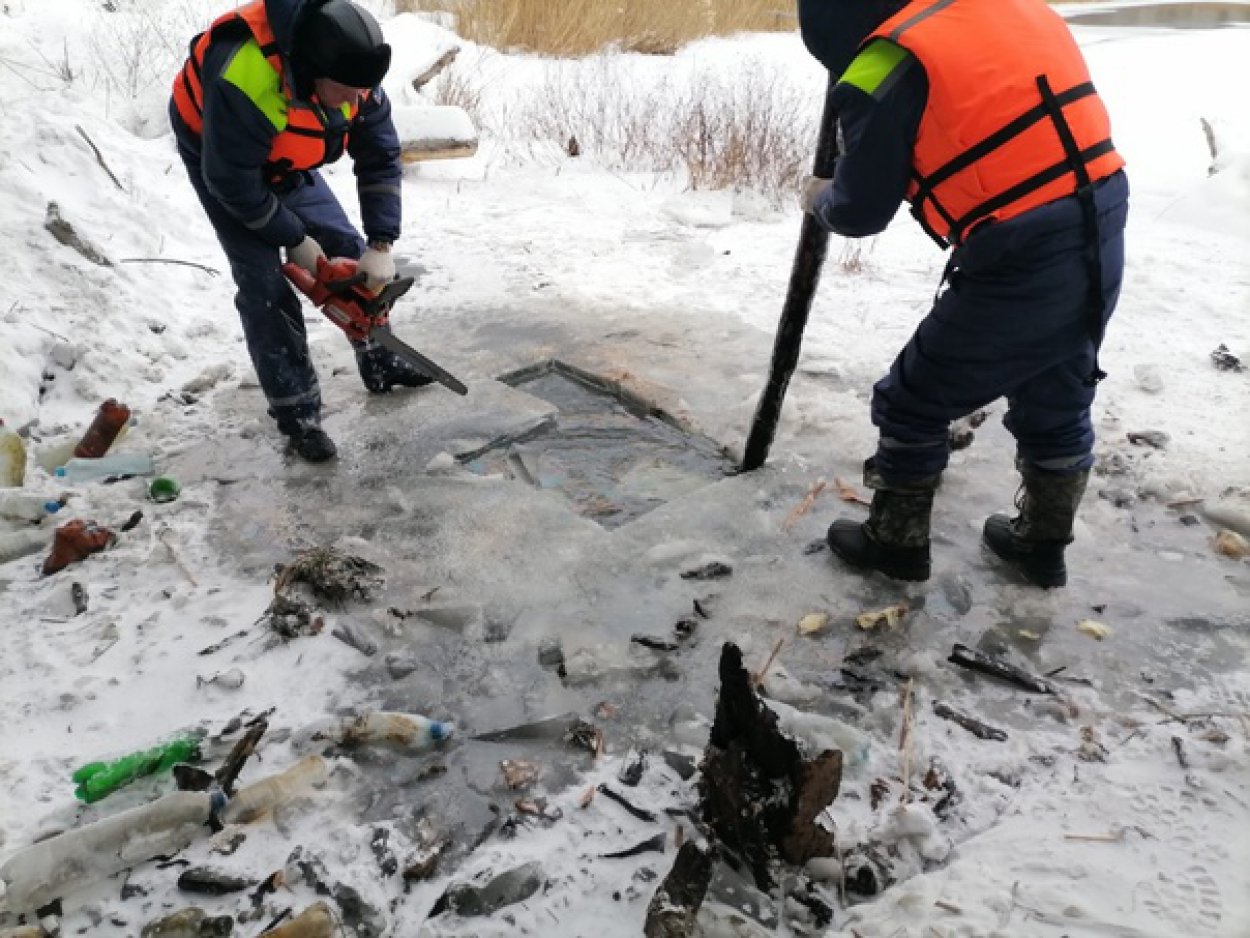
(813, 189)
(378, 266)
(305, 254)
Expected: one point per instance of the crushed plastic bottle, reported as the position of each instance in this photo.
(108, 423)
(259, 798)
(52, 868)
(20, 506)
(316, 921)
(17, 544)
(106, 467)
(12, 458)
(189, 923)
(95, 780)
(24, 931)
(409, 731)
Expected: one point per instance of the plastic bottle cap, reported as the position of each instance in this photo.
(52, 506)
(164, 489)
(59, 472)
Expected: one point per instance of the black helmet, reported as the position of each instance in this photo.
(833, 29)
(338, 40)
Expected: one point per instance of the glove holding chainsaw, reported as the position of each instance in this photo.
(305, 254)
(377, 265)
(813, 188)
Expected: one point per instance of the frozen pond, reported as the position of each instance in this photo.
(504, 605)
(1166, 15)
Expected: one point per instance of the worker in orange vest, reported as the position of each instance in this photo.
(271, 91)
(982, 116)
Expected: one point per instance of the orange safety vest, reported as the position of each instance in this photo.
(306, 142)
(1012, 120)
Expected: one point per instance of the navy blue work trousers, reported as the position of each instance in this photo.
(1013, 322)
(273, 320)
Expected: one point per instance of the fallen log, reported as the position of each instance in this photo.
(434, 133)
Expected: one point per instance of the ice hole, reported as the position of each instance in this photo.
(612, 454)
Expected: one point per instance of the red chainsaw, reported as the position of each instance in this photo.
(339, 291)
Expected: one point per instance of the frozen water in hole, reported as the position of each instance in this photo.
(611, 453)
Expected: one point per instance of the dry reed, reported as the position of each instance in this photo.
(573, 28)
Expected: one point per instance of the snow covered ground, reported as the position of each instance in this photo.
(1083, 822)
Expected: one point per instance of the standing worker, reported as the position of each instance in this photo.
(270, 92)
(981, 115)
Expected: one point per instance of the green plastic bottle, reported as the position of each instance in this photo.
(95, 780)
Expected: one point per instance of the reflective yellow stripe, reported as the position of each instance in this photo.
(874, 64)
(251, 73)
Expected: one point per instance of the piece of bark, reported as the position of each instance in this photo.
(971, 724)
(641, 813)
(242, 751)
(757, 790)
(675, 905)
(975, 660)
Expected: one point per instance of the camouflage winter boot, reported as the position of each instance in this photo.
(381, 369)
(1033, 542)
(895, 538)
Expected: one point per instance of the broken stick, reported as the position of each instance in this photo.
(432, 72)
(99, 157)
(978, 661)
(905, 736)
(758, 677)
(804, 506)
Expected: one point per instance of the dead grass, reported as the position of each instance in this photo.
(458, 86)
(752, 130)
(573, 28)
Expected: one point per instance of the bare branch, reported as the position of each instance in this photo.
(211, 271)
(99, 157)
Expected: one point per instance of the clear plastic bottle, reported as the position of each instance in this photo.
(12, 458)
(259, 798)
(105, 467)
(17, 544)
(52, 868)
(19, 506)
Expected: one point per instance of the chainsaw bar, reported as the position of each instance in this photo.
(384, 337)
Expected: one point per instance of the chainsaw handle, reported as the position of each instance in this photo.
(344, 284)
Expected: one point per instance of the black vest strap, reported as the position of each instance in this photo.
(1089, 212)
(997, 139)
(1036, 181)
